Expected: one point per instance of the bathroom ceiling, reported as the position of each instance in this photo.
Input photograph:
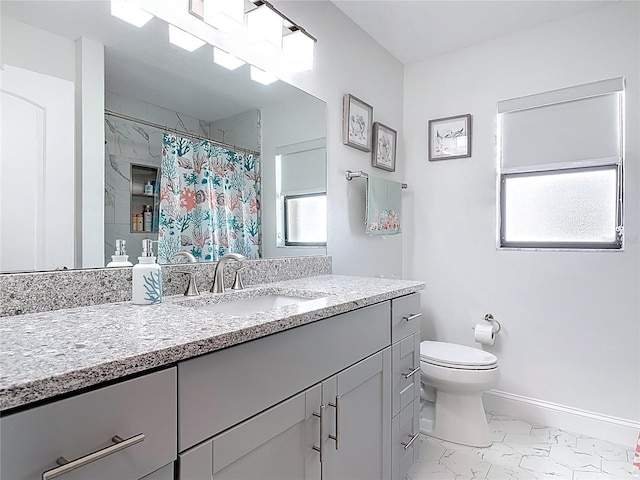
(412, 30)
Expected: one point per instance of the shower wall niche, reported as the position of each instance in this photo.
(144, 199)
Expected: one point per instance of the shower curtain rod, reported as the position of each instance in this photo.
(183, 133)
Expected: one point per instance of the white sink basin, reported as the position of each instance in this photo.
(251, 305)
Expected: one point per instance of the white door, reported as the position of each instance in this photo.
(36, 171)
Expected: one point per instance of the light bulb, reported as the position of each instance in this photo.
(261, 76)
(265, 28)
(130, 13)
(225, 15)
(226, 60)
(185, 40)
(297, 51)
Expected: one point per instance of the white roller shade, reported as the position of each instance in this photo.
(562, 126)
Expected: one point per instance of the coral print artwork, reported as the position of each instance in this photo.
(357, 120)
(384, 147)
(358, 125)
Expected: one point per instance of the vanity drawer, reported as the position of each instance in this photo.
(405, 316)
(405, 363)
(221, 389)
(405, 443)
(72, 428)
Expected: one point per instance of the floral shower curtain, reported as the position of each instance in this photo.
(209, 201)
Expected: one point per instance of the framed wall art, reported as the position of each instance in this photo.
(384, 147)
(357, 118)
(450, 137)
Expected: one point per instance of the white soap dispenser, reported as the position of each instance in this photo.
(120, 258)
(147, 277)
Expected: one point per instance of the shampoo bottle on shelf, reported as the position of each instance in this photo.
(120, 258)
(147, 277)
(147, 218)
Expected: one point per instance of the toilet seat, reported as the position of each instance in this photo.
(455, 356)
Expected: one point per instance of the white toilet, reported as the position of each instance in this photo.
(459, 375)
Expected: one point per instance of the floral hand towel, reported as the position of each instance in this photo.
(384, 207)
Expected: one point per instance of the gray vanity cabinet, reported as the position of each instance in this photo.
(222, 394)
(405, 325)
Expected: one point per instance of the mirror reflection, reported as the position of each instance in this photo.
(122, 135)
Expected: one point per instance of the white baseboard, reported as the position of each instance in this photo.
(612, 429)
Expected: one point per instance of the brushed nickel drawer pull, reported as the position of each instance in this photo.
(408, 444)
(337, 407)
(412, 316)
(66, 466)
(321, 417)
(411, 373)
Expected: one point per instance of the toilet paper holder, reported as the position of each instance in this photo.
(496, 324)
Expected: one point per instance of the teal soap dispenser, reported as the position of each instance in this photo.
(147, 277)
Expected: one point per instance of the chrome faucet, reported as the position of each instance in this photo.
(192, 288)
(218, 274)
(190, 257)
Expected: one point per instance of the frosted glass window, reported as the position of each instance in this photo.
(560, 165)
(561, 208)
(305, 219)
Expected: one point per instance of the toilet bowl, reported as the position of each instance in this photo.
(459, 375)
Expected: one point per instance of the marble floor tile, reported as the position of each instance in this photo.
(620, 470)
(592, 476)
(499, 423)
(430, 449)
(555, 436)
(574, 460)
(500, 454)
(499, 472)
(465, 463)
(545, 468)
(602, 449)
(524, 452)
(528, 444)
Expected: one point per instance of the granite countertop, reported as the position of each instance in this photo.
(46, 354)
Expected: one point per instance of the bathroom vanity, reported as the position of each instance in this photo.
(324, 388)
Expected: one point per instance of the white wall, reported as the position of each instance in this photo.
(349, 61)
(571, 320)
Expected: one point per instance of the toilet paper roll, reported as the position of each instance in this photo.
(484, 334)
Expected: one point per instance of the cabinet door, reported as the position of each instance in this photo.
(357, 421)
(277, 444)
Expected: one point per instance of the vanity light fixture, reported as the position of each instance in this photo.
(225, 15)
(261, 76)
(184, 40)
(130, 13)
(226, 60)
(264, 26)
(297, 51)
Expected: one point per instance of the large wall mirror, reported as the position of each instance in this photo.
(92, 109)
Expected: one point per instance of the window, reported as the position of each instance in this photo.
(560, 168)
(305, 220)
